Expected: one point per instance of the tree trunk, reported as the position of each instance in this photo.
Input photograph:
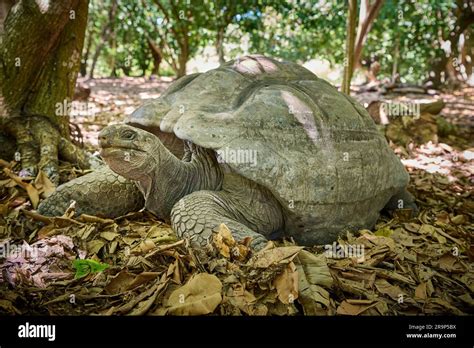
(182, 60)
(348, 66)
(468, 51)
(220, 45)
(95, 58)
(157, 57)
(85, 58)
(39, 61)
(465, 18)
(396, 57)
(367, 15)
(40, 57)
(5, 6)
(104, 36)
(113, 61)
(182, 67)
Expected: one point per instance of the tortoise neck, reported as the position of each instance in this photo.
(172, 178)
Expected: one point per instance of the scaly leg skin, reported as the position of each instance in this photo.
(101, 192)
(401, 200)
(246, 209)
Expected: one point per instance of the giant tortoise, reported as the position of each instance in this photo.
(264, 146)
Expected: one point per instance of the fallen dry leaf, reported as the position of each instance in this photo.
(224, 241)
(268, 257)
(286, 284)
(346, 308)
(44, 186)
(313, 274)
(200, 295)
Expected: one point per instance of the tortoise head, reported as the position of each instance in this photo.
(129, 151)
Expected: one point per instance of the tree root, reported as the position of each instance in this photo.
(39, 145)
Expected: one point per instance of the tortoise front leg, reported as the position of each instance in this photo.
(197, 215)
(247, 209)
(401, 200)
(101, 192)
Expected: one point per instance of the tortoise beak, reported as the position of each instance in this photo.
(104, 138)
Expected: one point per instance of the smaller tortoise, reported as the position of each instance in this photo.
(270, 150)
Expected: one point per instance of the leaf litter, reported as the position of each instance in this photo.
(135, 265)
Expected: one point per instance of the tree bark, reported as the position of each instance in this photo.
(468, 51)
(396, 57)
(5, 6)
(348, 66)
(85, 58)
(465, 18)
(182, 62)
(220, 45)
(179, 30)
(39, 60)
(367, 15)
(39, 67)
(104, 36)
(157, 56)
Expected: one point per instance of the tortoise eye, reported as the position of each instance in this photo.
(129, 135)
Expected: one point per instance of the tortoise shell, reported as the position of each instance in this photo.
(276, 123)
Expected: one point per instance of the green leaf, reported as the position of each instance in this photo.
(384, 232)
(84, 267)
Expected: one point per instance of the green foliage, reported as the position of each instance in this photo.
(299, 31)
(406, 33)
(85, 267)
(415, 28)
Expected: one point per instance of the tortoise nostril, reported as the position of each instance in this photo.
(103, 136)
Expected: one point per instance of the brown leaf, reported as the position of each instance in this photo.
(245, 300)
(449, 263)
(30, 189)
(365, 277)
(420, 291)
(346, 308)
(95, 245)
(286, 284)
(313, 274)
(223, 240)
(438, 305)
(161, 234)
(459, 219)
(200, 295)
(393, 291)
(119, 283)
(433, 232)
(44, 186)
(109, 236)
(142, 278)
(315, 268)
(33, 194)
(378, 240)
(268, 257)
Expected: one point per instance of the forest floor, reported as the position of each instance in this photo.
(135, 264)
